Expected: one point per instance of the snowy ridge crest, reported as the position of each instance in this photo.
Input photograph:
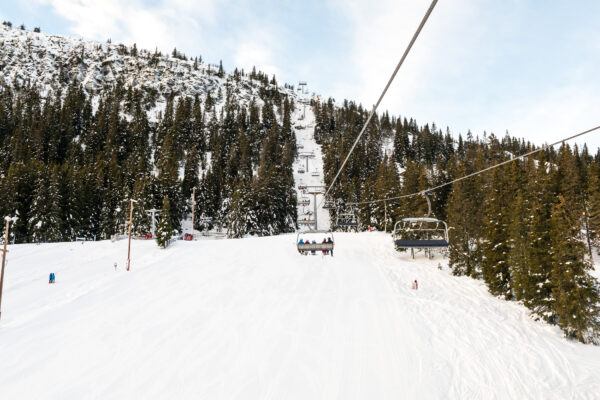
(52, 62)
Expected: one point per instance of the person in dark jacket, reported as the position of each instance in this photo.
(330, 241)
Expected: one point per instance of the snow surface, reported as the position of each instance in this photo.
(252, 319)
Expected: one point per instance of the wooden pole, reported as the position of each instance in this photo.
(4, 251)
(385, 217)
(315, 206)
(129, 244)
(193, 208)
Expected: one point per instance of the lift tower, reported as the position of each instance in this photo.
(306, 156)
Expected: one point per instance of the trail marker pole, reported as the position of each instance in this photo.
(315, 206)
(385, 216)
(193, 208)
(4, 251)
(131, 201)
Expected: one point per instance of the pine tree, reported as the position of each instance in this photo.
(532, 275)
(242, 218)
(575, 290)
(45, 211)
(496, 238)
(190, 173)
(401, 145)
(221, 72)
(164, 230)
(593, 204)
(168, 184)
(465, 217)
(141, 220)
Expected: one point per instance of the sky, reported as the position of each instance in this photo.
(526, 67)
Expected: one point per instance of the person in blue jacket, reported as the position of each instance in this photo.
(52, 278)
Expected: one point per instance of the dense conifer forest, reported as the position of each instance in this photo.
(68, 170)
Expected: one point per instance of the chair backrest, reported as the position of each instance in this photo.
(410, 229)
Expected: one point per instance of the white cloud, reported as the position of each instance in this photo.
(252, 53)
(380, 32)
(165, 25)
(258, 46)
(189, 25)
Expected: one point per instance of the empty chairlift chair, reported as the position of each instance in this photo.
(306, 219)
(427, 234)
(304, 201)
(347, 219)
(329, 205)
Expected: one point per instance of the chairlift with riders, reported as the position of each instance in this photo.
(310, 241)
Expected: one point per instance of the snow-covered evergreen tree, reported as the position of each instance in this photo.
(164, 230)
(575, 291)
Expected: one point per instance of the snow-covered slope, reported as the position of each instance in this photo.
(251, 318)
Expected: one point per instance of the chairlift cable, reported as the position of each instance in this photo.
(414, 38)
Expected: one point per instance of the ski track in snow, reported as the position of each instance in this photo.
(252, 319)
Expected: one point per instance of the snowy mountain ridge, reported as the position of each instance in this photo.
(52, 62)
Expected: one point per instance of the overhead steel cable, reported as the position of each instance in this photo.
(414, 38)
(520, 157)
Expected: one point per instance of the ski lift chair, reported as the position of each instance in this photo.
(304, 201)
(306, 221)
(315, 173)
(329, 205)
(300, 170)
(427, 234)
(304, 248)
(347, 219)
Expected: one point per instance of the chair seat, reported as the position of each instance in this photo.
(420, 244)
(315, 246)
